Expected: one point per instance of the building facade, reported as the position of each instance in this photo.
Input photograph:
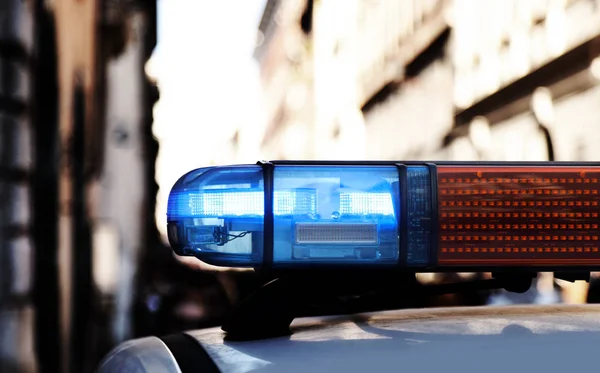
(284, 56)
(380, 67)
(527, 47)
(17, 299)
(76, 158)
(371, 69)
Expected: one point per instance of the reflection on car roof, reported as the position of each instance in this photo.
(467, 339)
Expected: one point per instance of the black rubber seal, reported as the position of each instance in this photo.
(189, 354)
(268, 216)
(402, 214)
(435, 227)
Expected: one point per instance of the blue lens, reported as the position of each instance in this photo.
(353, 219)
(334, 215)
(229, 203)
(217, 214)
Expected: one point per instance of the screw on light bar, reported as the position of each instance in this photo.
(419, 216)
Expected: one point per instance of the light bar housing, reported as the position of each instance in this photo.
(413, 216)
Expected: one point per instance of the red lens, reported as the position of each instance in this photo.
(534, 216)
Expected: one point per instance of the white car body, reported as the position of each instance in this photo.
(503, 339)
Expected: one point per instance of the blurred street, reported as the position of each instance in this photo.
(104, 104)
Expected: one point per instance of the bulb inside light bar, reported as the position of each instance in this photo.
(359, 203)
(242, 202)
(228, 203)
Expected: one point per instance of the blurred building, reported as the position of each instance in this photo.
(371, 68)
(17, 299)
(123, 229)
(78, 187)
(284, 55)
(406, 77)
(339, 125)
(527, 67)
(433, 67)
(379, 67)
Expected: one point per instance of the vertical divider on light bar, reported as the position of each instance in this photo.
(268, 218)
(435, 225)
(402, 215)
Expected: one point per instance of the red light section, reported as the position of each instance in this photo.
(498, 216)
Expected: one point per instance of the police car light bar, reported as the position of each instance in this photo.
(417, 216)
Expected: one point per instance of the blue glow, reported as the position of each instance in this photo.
(230, 203)
(361, 203)
(216, 215)
(332, 215)
(294, 202)
(240, 202)
(354, 222)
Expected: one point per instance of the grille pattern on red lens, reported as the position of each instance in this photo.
(518, 215)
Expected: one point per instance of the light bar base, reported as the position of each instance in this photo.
(269, 312)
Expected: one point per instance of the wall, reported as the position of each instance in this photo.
(285, 61)
(121, 192)
(76, 43)
(412, 121)
(577, 129)
(16, 166)
(499, 41)
(339, 125)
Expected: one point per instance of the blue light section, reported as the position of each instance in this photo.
(359, 203)
(215, 203)
(354, 221)
(294, 202)
(332, 215)
(241, 202)
(419, 215)
(216, 215)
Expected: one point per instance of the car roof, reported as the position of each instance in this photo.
(552, 338)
